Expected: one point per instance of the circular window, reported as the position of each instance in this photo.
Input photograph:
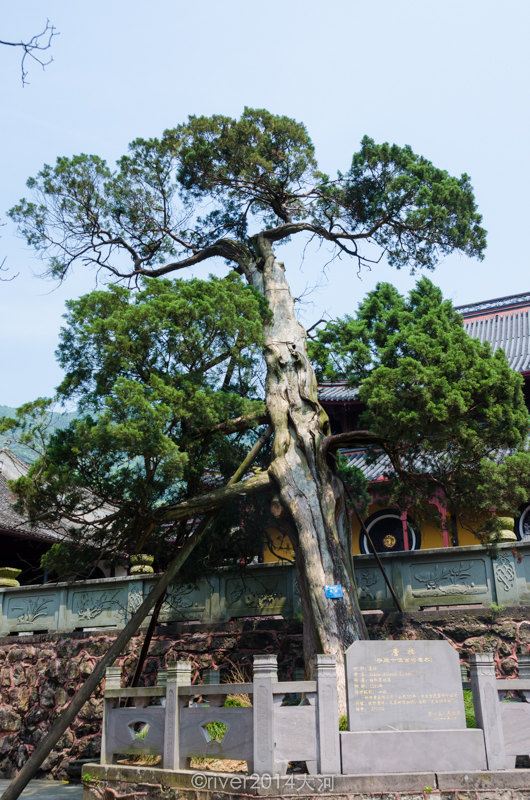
(386, 531)
(522, 525)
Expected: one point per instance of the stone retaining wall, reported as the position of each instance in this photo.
(39, 674)
(423, 579)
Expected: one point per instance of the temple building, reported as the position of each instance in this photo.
(21, 544)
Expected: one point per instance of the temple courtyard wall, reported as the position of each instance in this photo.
(40, 673)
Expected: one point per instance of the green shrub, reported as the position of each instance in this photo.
(234, 701)
(471, 722)
(216, 731)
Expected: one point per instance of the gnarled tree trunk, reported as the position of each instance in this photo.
(310, 492)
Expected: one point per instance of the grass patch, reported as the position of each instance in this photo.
(216, 731)
(471, 722)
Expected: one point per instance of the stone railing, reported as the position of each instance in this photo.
(470, 576)
(177, 721)
(110, 602)
(269, 723)
(462, 576)
(506, 724)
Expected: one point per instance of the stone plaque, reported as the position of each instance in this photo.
(404, 686)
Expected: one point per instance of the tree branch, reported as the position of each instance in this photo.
(223, 248)
(338, 440)
(37, 44)
(291, 228)
(242, 423)
(204, 503)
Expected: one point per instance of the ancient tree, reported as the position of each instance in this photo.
(222, 190)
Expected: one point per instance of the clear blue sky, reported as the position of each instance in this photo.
(448, 77)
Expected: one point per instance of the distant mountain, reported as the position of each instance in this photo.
(58, 421)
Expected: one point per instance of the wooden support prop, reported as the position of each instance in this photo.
(135, 679)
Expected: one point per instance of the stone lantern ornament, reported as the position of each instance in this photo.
(8, 576)
(142, 564)
(507, 532)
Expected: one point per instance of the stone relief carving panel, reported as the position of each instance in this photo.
(370, 585)
(264, 594)
(466, 577)
(32, 612)
(98, 607)
(186, 601)
(504, 569)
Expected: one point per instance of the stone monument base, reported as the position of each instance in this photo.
(365, 752)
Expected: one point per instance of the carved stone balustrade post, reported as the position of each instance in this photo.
(327, 719)
(113, 678)
(177, 675)
(264, 676)
(112, 681)
(524, 667)
(487, 708)
(524, 673)
(161, 680)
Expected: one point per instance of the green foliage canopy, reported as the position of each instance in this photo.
(154, 372)
(219, 187)
(208, 186)
(451, 413)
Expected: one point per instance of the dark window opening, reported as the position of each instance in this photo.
(387, 532)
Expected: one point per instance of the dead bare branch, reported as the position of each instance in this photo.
(33, 47)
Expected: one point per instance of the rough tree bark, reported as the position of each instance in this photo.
(312, 495)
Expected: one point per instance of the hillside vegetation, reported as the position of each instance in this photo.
(58, 420)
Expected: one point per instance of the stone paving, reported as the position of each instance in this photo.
(48, 790)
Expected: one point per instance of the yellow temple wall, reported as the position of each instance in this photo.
(431, 534)
(431, 537)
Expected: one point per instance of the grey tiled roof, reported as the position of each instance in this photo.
(10, 520)
(373, 470)
(337, 392)
(509, 331)
(497, 304)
